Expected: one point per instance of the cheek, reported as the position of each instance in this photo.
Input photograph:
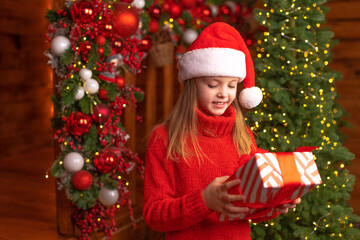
(232, 95)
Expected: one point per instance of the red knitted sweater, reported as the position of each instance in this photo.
(173, 199)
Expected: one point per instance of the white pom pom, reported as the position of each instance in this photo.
(250, 97)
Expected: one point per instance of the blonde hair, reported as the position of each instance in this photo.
(182, 129)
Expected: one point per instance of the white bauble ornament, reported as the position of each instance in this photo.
(85, 73)
(108, 197)
(91, 86)
(139, 4)
(59, 45)
(231, 5)
(80, 92)
(214, 10)
(190, 35)
(73, 162)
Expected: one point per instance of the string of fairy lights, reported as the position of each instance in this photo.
(295, 66)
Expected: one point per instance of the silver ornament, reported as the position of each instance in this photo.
(108, 197)
(73, 162)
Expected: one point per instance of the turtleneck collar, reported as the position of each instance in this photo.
(216, 126)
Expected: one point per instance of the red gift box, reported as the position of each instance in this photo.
(272, 179)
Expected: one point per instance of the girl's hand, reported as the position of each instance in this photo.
(217, 198)
(285, 208)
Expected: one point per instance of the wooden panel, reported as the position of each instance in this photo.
(27, 202)
(347, 50)
(168, 92)
(24, 9)
(37, 75)
(150, 117)
(345, 29)
(343, 10)
(349, 69)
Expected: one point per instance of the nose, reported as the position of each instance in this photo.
(222, 93)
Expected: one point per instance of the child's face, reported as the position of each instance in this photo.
(215, 94)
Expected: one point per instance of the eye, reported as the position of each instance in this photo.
(211, 86)
(232, 86)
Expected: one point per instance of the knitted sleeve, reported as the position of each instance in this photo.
(163, 211)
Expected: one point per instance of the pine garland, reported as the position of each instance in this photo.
(99, 140)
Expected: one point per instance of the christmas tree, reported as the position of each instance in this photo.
(300, 109)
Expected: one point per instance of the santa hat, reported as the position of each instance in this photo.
(220, 51)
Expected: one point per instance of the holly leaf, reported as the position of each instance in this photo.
(67, 57)
(86, 199)
(85, 105)
(108, 181)
(68, 93)
(139, 96)
(52, 16)
(56, 169)
(93, 57)
(91, 141)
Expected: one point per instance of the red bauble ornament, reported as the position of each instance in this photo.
(153, 26)
(225, 10)
(155, 11)
(120, 81)
(146, 43)
(101, 113)
(82, 180)
(117, 44)
(188, 4)
(85, 47)
(166, 6)
(100, 51)
(103, 94)
(108, 29)
(83, 12)
(106, 161)
(181, 22)
(100, 40)
(78, 123)
(206, 11)
(237, 10)
(125, 20)
(175, 10)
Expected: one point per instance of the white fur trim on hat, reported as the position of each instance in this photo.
(203, 62)
(250, 97)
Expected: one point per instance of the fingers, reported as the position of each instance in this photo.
(222, 179)
(285, 207)
(282, 210)
(231, 184)
(288, 205)
(232, 211)
(297, 201)
(233, 198)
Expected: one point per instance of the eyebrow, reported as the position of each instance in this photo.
(218, 80)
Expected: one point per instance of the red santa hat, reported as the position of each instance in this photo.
(221, 51)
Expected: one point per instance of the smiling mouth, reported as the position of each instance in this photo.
(219, 103)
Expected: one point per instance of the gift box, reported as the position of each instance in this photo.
(272, 179)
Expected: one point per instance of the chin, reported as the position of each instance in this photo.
(216, 112)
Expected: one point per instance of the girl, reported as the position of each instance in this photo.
(202, 142)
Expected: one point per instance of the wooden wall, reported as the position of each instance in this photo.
(26, 80)
(344, 20)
